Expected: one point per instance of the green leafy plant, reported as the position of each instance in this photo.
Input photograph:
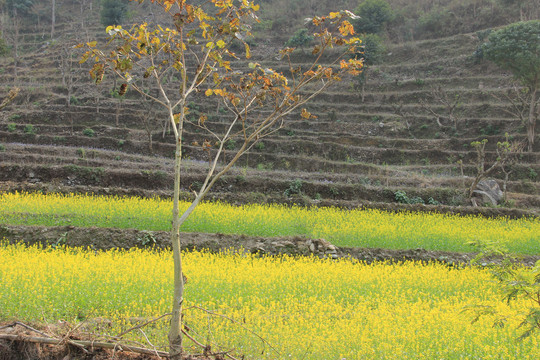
(81, 153)
(515, 282)
(2, 148)
(113, 11)
(11, 127)
(146, 238)
(74, 100)
(402, 198)
(89, 132)
(29, 129)
(295, 188)
(230, 144)
(374, 14)
(300, 39)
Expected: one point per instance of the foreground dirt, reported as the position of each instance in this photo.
(107, 238)
(20, 341)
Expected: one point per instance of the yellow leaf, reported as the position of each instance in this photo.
(208, 92)
(92, 44)
(202, 119)
(346, 28)
(248, 53)
(221, 44)
(333, 15)
(305, 114)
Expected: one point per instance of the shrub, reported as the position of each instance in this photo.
(299, 39)
(113, 12)
(402, 198)
(81, 153)
(295, 187)
(230, 144)
(374, 14)
(89, 132)
(29, 129)
(74, 100)
(11, 127)
(2, 148)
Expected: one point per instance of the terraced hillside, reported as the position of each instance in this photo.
(362, 150)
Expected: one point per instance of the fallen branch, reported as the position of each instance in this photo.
(84, 343)
(24, 326)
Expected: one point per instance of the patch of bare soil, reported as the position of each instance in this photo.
(108, 238)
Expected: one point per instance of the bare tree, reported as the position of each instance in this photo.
(507, 154)
(260, 100)
(69, 67)
(524, 106)
(451, 105)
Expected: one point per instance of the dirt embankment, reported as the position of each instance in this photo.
(106, 238)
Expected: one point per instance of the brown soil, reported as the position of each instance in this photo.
(107, 238)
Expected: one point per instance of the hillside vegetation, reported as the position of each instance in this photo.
(400, 138)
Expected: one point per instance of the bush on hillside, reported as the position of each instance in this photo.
(374, 14)
(113, 11)
(299, 39)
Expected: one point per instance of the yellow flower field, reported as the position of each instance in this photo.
(306, 308)
(354, 228)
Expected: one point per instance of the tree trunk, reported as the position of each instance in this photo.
(150, 144)
(53, 18)
(175, 331)
(532, 117)
(118, 113)
(15, 45)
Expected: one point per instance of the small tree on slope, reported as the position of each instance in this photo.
(516, 47)
(196, 48)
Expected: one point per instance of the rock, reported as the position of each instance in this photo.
(488, 191)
